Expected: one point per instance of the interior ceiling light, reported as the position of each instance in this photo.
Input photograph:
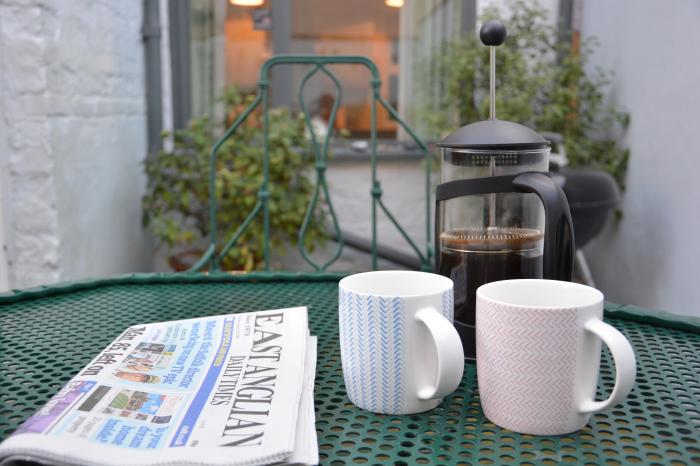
(250, 2)
(394, 3)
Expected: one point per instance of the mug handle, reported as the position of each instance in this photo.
(625, 365)
(450, 355)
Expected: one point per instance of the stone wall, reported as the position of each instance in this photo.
(72, 138)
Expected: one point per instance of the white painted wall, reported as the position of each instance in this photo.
(72, 138)
(651, 257)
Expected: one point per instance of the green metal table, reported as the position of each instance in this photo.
(49, 333)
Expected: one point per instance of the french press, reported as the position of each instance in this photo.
(499, 215)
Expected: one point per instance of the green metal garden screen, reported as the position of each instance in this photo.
(319, 64)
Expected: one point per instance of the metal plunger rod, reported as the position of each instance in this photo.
(492, 83)
(492, 196)
(492, 116)
(492, 34)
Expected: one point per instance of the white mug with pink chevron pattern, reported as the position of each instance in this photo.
(538, 348)
(399, 350)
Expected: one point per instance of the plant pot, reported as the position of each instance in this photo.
(183, 260)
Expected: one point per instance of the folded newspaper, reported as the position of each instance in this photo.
(225, 390)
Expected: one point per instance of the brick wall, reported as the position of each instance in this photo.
(72, 138)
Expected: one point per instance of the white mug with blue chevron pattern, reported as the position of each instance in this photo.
(400, 352)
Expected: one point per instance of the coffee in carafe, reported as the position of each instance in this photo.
(499, 215)
(472, 258)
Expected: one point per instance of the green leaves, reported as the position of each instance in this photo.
(542, 82)
(176, 205)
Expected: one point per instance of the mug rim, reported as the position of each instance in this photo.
(594, 297)
(442, 283)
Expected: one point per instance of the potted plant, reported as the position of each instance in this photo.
(176, 203)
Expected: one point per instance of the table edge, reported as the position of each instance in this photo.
(160, 278)
(612, 310)
(652, 317)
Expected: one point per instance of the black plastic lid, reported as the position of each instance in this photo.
(494, 134)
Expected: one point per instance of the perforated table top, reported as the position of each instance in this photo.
(48, 334)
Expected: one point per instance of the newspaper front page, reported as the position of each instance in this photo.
(219, 390)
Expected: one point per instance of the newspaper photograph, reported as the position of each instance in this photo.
(219, 390)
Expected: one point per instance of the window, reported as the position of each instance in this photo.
(229, 43)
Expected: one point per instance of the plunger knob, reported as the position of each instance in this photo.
(492, 33)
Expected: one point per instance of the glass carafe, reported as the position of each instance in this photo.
(500, 216)
(494, 236)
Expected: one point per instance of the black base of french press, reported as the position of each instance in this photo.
(467, 333)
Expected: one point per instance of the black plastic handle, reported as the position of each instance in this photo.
(559, 249)
(559, 242)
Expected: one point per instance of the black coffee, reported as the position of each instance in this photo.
(472, 258)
